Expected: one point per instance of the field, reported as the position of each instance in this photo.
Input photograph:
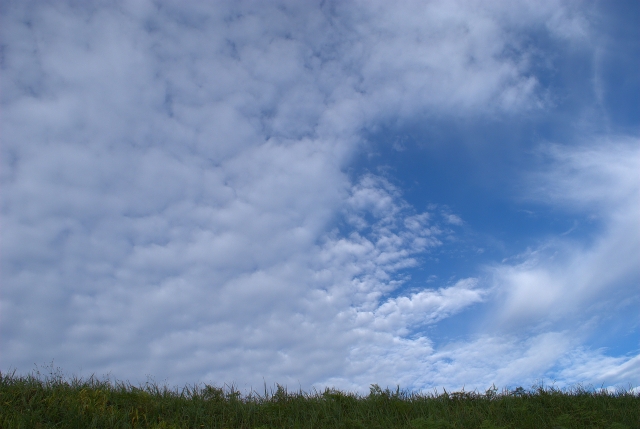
(53, 401)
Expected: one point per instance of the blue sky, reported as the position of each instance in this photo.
(430, 194)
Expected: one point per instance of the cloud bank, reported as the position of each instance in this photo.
(176, 198)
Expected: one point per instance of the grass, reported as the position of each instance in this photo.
(34, 401)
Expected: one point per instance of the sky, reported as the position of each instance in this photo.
(430, 194)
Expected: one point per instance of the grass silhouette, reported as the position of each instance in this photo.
(53, 401)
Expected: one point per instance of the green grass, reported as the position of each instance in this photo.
(34, 401)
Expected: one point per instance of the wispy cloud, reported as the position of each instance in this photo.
(566, 277)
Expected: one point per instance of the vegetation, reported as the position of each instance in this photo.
(35, 401)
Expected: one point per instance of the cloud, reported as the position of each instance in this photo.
(453, 219)
(568, 277)
(600, 369)
(545, 306)
(426, 307)
(176, 199)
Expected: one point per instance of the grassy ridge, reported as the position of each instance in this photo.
(46, 402)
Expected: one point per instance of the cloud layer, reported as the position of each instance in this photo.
(176, 198)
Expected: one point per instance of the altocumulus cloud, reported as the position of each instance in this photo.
(176, 198)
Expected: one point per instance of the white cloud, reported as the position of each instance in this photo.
(175, 200)
(425, 307)
(566, 278)
(547, 305)
(453, 219)
(601, 370)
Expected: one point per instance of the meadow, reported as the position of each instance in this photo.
(55, 401)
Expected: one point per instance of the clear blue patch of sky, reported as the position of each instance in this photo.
(619, 335)
(620, 64)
